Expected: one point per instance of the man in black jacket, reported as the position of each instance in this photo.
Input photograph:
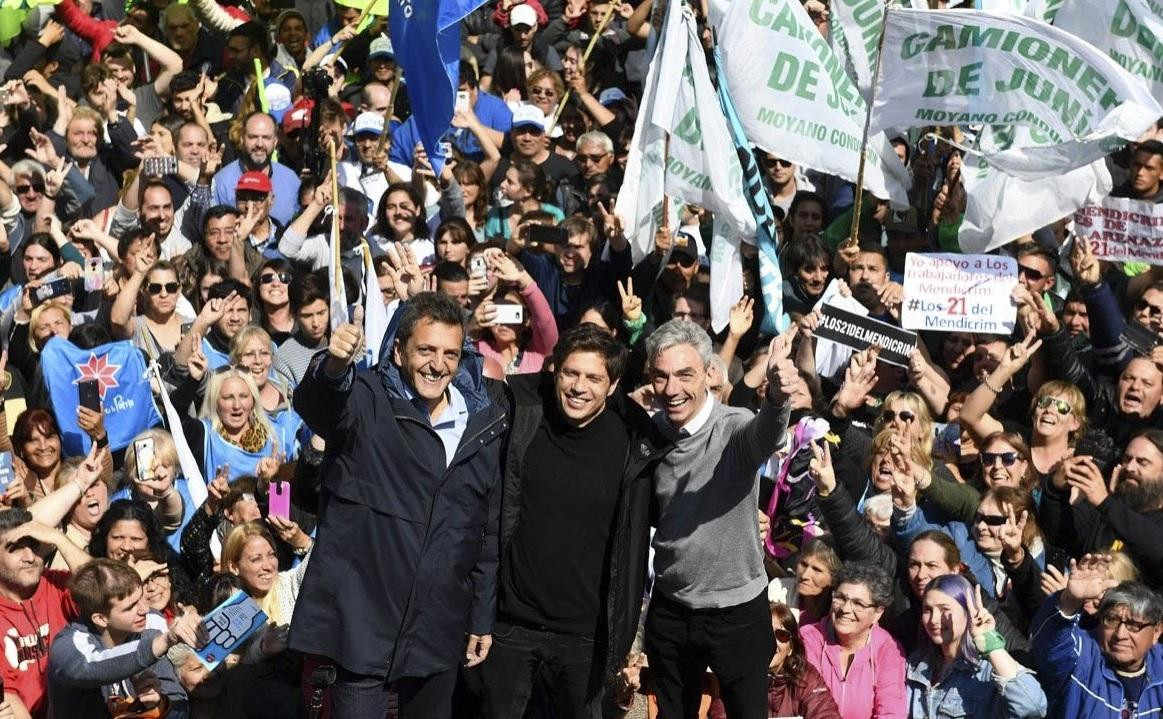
(574, 530)
(401, 588)
(1126, 513)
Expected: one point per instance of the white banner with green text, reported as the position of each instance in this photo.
(795, 99)
(1006, 71)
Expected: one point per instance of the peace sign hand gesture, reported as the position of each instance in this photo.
(631, 303)
(1016, 356)
(820, 468)
(982, 622)
(1011, 534)
(612, 227)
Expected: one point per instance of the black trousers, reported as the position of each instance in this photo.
(519, 655)
(735, 642)
(356, 696)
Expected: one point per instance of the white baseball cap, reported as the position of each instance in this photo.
(523, 15)
(528, 116)
(370, 123)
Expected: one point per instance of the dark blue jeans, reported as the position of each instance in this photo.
(519, 655)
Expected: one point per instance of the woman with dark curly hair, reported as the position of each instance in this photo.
(129, 532)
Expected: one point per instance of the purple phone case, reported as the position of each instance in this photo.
(279, 501)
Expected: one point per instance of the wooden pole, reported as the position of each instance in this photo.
(586, 56)
(854, 233)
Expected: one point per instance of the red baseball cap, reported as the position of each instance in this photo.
(298, 117)
(254, 181)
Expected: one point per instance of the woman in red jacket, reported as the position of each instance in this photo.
(794, 687)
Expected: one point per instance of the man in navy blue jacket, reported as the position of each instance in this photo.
(402, 583)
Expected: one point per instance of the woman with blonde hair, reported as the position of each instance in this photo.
(232, 431)
(907, 413)
(160, 486)
(251, 554)
(1057, 412)
(252, 350)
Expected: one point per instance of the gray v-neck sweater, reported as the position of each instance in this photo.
(707, 552)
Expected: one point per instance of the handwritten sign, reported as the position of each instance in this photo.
(949, 292)
(1123, 229)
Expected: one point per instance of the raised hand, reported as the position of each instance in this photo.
(1089, 579)
(1085, 475)
(782, 376)
(197, 364)
(741, 317)
(859, 380)
(631, 303)
(904, 481)
(982, 621)
(345, 349)
(820, 468)
(1083, 264)
(1053, 580)
(612, 227)
(1017, 355)
(1011, 534)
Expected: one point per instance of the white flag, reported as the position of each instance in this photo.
(795, 99)
(375, 314)
(336, 284)
(726, 273)
(1006, 71)
(860, 21)
(1129, 31)
(195, 482)
(1001, 208)
(680, 123)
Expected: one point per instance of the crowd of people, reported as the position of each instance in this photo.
(544, 486)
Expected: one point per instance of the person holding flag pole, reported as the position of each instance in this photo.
(849, 248)
(585, 57)
(339, 314)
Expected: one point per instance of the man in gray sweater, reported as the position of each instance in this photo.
(114, 654)
(709, 604)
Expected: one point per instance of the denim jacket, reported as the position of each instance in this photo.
(970, 690)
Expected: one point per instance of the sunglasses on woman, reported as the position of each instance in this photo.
(992, 520)
(782, 636)
(906, 416)
(1007, 458)
(155, 288)
(1063, 407)
(283, 277)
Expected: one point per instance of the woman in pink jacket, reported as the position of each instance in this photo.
(518, 348)
(862, 665)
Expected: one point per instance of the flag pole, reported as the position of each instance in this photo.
(336, 260)
(586, 56)
(853, 233)
(391, 107)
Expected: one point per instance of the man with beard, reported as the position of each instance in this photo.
(259, 138)
(1129, 516)
(868, 278)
